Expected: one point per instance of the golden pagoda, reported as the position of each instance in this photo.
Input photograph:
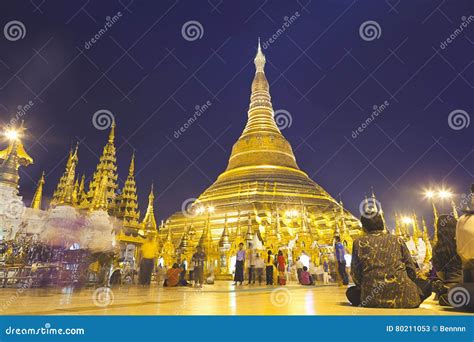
(149, 221)
(126, 207)
(261, 176)
(107, 167)
(63, 195)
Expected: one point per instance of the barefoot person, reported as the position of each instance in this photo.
(198, 260)
(149, 251)
(239, 265)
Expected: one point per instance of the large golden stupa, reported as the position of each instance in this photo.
(263, 195)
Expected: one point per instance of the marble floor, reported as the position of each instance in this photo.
(219, 299)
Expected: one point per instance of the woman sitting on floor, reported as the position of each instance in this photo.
(446, 261)
(383, 270)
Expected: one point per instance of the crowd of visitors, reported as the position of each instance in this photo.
(384, 272)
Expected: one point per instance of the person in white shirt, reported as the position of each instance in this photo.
(259, 266)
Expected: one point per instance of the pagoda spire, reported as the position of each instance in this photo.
(37, 198)
(81, 195)
(225, 239)
(250, 234)
(9, 167)
(127, 206)
(63, 195)
(12, 158)
(107, 167)
(149, 221)
(99, 199)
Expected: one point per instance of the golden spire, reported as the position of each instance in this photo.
(81, 195)
(238, 230)
(63, 195)
(14, 135)
(261, 142)
(225, 240)
(126, 208)
(149, 221)
(9, 167)
(112, 133)
(250, 234)
(36, 202)
(99, 200)
(107, 166)
(455, 210)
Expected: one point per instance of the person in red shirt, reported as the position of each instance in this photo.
(172, 276)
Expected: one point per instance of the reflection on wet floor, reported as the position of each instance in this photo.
(219, 299)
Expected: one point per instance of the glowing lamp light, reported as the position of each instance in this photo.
(407, 220)
(429, 194)
(445, 194)
(12, 134)
(200, 210)
(211, 209)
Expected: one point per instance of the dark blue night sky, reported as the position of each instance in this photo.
(321, 72)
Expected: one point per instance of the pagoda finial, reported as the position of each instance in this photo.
(149, 221)
(259, 59)
(112, 132)
(131, 169)
(36, 202)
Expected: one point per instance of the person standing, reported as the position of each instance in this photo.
(313, 270)
(269, 264)
(281, 265)
(198, 260)
(259, 266)
(149, 251)
(299, 269)
(341, 260)
(239, 265)
(326, 272)
(251, 258)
